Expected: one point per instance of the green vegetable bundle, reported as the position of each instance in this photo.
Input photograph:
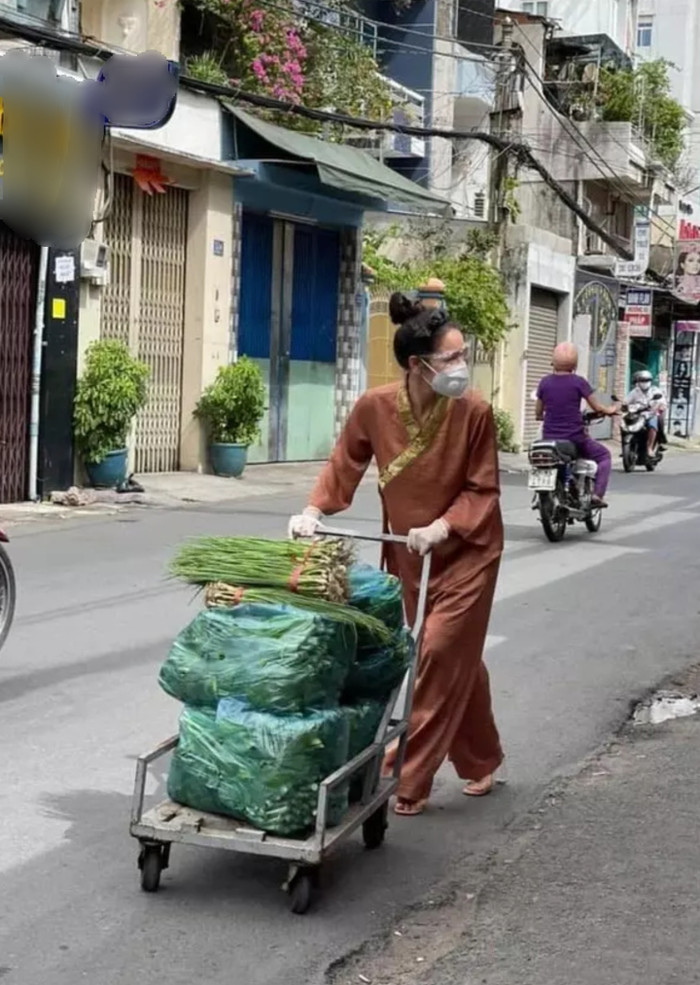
(275, 658)
(263, 769)
(317, 569)
(372, 630)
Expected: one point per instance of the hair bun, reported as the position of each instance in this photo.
(438, 319)
(402, 308)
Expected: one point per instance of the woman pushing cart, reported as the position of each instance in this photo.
(435, 447)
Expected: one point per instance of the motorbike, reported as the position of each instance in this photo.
(562, 486)
(633, 431)
(8, 589)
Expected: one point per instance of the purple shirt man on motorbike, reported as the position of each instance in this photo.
(559, 398)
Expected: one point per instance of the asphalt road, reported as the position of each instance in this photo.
(578, 631)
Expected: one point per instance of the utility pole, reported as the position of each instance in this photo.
(505, 108)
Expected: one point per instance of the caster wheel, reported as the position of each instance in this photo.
(300, 893)
(151, 865)
(374, 828)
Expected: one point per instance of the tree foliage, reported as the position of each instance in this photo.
(474, 290)
(279, 49)
(643, 96)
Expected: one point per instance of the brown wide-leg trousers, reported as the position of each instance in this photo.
(452, 715)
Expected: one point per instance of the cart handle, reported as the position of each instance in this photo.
(324, 531)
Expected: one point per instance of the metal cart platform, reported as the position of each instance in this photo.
(170, 823)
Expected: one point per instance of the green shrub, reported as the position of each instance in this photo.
(233, 405)
(505, 431)
(109, 394)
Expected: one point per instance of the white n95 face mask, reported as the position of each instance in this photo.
(450, 382)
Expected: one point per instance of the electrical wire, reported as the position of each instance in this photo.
(522, 153)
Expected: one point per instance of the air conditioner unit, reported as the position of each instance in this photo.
(94, 262)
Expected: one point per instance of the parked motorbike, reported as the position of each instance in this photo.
(8, 589)
(633, 431)
(562, 484)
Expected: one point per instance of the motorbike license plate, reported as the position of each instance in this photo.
(543, 480)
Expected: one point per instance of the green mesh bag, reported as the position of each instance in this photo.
(263, 769)
(364, 719)
(378, 594)
(274, 658)
(378, 670)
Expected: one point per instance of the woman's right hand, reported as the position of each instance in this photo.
(304, 525)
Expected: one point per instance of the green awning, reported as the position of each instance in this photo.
(346, 168)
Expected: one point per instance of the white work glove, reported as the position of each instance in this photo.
(304, 525)
(421, 540)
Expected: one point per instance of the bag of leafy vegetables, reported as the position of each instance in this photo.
(275, 658)
(376, 671)
(364, 719)
(263, 769)
(378, 594)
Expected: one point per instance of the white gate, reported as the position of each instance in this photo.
(144, 306)
(542, 335)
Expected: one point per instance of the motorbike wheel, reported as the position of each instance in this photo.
(593, 521)
(629, 458)
(554, 525)
(8, 594)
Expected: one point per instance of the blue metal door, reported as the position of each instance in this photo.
(313, 341)
(256, 309)
(288, 322)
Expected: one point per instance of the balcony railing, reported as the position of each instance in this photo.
(408, 110)
(348, 22)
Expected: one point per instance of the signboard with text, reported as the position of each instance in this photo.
(638, 313)
(637, 268)
(687, 263)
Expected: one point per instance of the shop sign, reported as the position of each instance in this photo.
(637, 268)
(682, 381)
(638, 313)
(687, 262)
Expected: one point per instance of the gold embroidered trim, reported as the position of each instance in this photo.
(420, 437)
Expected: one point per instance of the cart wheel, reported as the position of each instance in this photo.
(374, 828)
(151, 865)
(300, 893)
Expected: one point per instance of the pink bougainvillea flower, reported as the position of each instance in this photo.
(259, 69)
(257, 18)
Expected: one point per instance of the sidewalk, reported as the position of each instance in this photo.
(607, 894)
(597, 886)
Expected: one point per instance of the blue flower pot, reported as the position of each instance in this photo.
(228, 460)
(110, 472)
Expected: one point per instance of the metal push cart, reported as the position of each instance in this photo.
(171, 823)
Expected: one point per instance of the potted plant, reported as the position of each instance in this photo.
(109, 394)
(231, 408)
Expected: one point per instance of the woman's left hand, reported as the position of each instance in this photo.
(422, 540)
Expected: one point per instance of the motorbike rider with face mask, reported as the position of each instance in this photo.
(646, 395)
(434, 443)
(559, 399)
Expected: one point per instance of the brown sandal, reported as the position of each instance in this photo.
(480, 788)
(409, 808)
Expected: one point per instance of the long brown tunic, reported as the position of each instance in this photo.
(447, 467)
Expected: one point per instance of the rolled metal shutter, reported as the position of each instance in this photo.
(543, 329)
(19, 261)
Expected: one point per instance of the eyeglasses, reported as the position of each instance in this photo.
(449, 358)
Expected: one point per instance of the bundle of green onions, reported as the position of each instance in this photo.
(317, 569)
(221, 595)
